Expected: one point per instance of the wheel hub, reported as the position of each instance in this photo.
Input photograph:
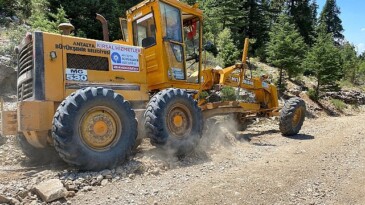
(179, 121)
(297, 116)
(100, 128)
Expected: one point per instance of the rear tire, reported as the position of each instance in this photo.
(37, 155)
(94, 129)
(174, 121)
(292, 116)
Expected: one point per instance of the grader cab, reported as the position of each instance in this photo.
(91, 102)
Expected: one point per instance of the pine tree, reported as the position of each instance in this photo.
(275, 9)
(25, 8)
(228, 53)
(350, 62)
(83, 12)
(286, 47)
(190, 2)
(324, 60)
(221, 14)
(39, 19)
(361, 72)
(304, 14)
(8, 7)
(330, 19)
(257, 27)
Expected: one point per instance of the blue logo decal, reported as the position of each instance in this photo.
(116, 58)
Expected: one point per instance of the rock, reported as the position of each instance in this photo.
(104, 182)
(295, 91)
(155, 171)
(23, 194)
(119, 171)
(72, 177)
(34, 202)
(71, 194)
(87, 188)
(349, 97)
(8, 77)
(71, 187)
(4, 200)
(131, 176)
(99, 178)
(106, 172)
(2, 140)
(14, 201)
(15, 19)
(51, 190)
(57, 203)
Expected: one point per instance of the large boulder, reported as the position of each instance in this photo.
(51, 190)
(348, 96)
(8, 77)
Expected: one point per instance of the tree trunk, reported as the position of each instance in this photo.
(318, 85)
(280, 79)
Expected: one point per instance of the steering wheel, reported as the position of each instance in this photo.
(193, 56)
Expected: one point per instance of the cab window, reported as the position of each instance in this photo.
(192, 47)
(144, 31)
(171, 21)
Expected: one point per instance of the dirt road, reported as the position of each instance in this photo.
(323, 165)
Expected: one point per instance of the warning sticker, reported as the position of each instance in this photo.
(123, 58)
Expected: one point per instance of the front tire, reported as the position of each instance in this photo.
(174, 121)
(292, 116)
(94, 129)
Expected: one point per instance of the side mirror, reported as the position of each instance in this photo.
(211, 48)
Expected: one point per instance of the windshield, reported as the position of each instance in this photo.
(171, 22)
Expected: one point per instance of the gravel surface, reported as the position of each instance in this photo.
(323, 165)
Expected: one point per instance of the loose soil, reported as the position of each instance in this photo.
(324, 164)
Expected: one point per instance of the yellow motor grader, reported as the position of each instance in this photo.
(92, 101)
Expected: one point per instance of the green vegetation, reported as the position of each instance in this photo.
(284, 33)
(313, 95)
(330, 19)
(203, 95)
(228, 94)
(228, 53)
(339, 104)
(286, 48)
(324, 61)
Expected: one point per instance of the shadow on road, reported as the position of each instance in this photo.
(301, 137)
(254, 137)
(249, 136)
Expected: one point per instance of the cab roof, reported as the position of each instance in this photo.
(185, 8)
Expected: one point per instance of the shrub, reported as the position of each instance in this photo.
(203, 95)
(228, 52)
(339, 104)
(228, 94)
(313, 95)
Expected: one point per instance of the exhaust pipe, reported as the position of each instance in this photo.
(104, 24)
